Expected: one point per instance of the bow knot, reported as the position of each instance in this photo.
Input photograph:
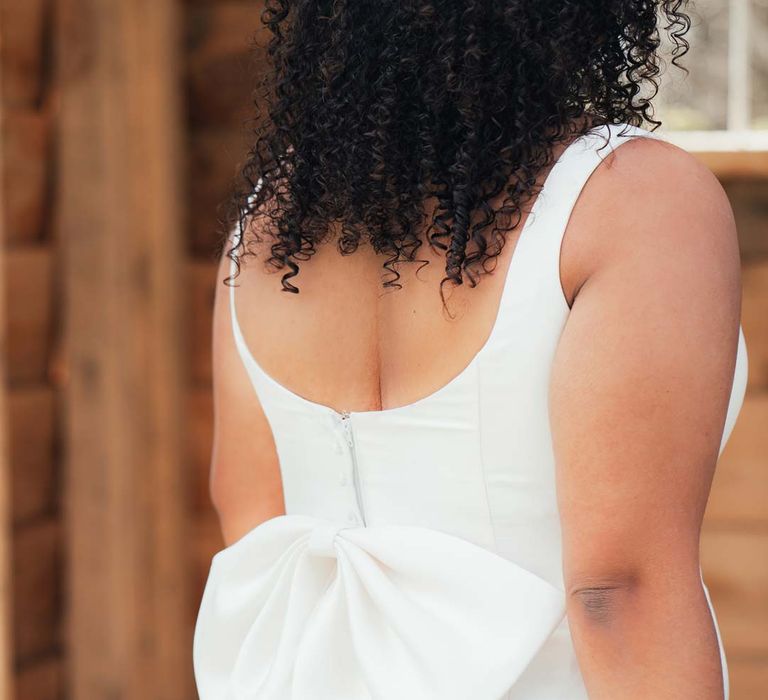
(322, 539)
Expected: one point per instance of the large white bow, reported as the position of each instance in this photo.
(301, 608)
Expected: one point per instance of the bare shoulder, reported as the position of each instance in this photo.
(654, 205)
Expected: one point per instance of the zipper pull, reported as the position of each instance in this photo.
(347, 428)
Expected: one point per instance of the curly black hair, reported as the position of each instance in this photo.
(372, 107)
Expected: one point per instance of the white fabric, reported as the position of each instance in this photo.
(420, 554)
(307, 608)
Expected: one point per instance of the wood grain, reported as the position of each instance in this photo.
(735, 567)
(749, 678)
(34, 476)
(26, 135)
(201, 281)
(7, 684)
(740, 488)
(23, 50)
(129, 632)
(29, 289)
(37, 588)
(41, 680)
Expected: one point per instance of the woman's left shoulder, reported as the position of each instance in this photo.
(651, 204)
(650, 192)
(668, 180)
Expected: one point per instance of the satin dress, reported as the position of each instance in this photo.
(420, 554)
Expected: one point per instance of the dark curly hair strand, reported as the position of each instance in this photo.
(375, 106)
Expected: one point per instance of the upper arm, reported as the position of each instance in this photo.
(643, 370)
(245, 482)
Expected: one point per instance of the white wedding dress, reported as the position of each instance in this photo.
(420, 554)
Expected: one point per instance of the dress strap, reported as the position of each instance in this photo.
(543, 235)
(259, 378)
(242, 348)
(533, 276)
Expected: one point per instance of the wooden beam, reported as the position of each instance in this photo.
(6, 542)
(32, 423)
(24, 38)
(37, 586)
(30, 325)
(735, 566)
(119, 225)
(729, 165)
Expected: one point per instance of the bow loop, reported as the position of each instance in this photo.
(302, 608)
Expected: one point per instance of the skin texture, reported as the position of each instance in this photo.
(639, 392)
(390, 340)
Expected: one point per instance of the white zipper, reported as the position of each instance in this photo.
(346, 421)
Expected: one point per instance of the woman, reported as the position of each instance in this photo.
(468, 457)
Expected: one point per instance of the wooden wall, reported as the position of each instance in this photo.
(120, 219)
(32, 316)
(7, 680)
(217, 78)
(735, 537)
(216, 83)
(98, 495)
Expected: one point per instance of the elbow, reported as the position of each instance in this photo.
(633, 593)
(598, 601)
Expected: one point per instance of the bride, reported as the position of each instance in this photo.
(477, 349)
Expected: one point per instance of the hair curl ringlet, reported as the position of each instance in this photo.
(371, 108)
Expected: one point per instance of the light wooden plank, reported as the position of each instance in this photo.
(740, 488)
(736, 164)
(749, 678)
(129, 632)
(735, 567)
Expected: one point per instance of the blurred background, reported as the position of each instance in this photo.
(122, 123)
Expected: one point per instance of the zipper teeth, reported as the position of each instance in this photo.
(345, 417)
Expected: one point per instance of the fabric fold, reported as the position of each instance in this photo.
(302, 608)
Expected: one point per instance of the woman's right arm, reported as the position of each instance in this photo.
(245, 483)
